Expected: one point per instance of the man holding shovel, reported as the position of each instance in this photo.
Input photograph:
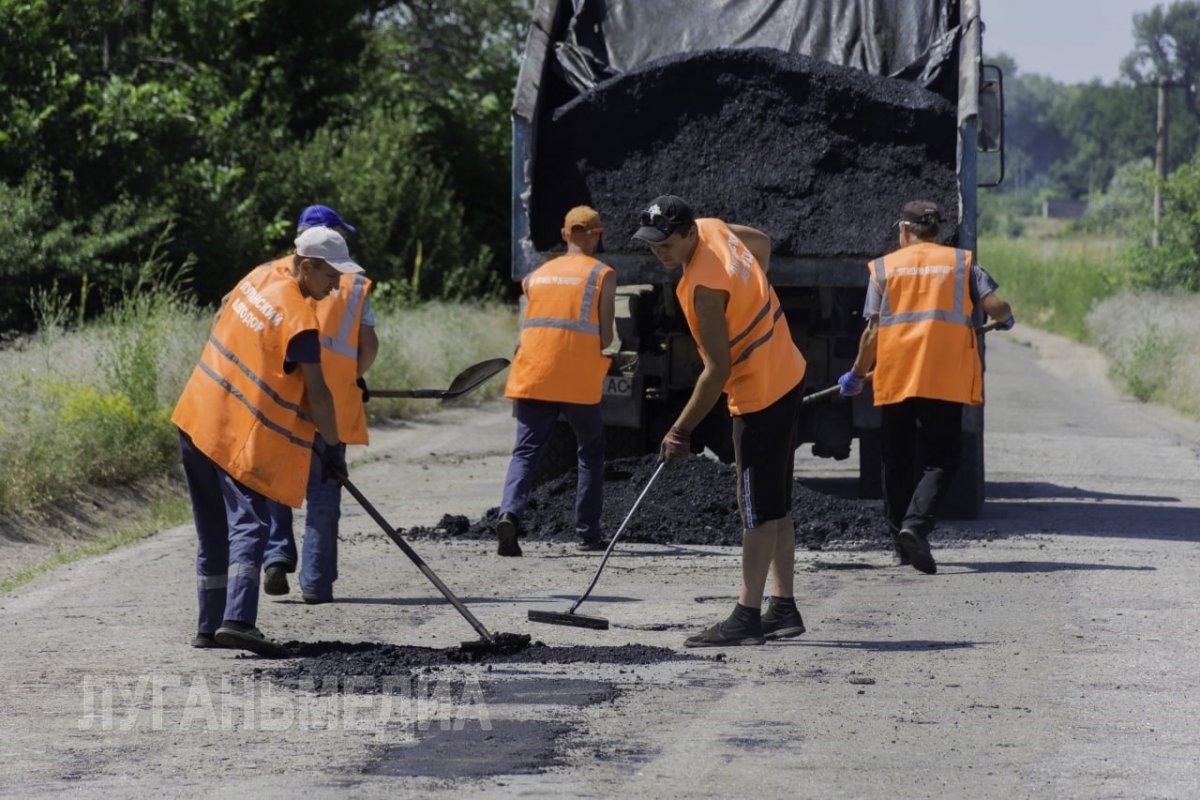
(743, 337)
(559, 370)
(247, 421)
(921, 338)
(348, 348)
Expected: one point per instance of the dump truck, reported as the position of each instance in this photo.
(812, 120)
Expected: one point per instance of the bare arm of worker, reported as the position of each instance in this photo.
(757, 242)
(320, 402)
(995, 307)
(608, 304)
(368, 348)
(714, 339)
(866, 348)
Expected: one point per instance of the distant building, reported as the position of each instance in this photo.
(1064, 209)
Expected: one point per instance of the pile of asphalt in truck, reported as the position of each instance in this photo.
(818, 156)
(692, 502)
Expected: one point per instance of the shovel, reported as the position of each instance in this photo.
(833, 390)
(470, 378)
(488, 642)
(582, 620)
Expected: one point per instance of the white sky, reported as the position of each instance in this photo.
(1071, 41)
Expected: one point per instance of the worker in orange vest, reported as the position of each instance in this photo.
(247, 419)
(349, 346)
(743, 337)
(921, 339)
(558, 371)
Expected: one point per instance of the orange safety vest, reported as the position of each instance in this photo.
(340, 315)
(239, 407)
(765, 362)
(559, 359)
(926, 345)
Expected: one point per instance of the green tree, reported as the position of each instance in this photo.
(1167, 47)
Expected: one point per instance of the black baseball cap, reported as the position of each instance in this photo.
(921, 212)
(665, 214)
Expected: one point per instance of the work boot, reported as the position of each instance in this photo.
(742, 627)
(591, 544)
(917, 548)
(275, 579)
(508, 528)
(901, 556)
(205, 641)
(247, 637)
(782, 619)
(315, 599)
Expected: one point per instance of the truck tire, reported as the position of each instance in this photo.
(870, 466)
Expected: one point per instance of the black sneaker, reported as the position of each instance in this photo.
(917, 548)
(728, 633)
(592, 545)
(205, 641)
(782, 619)
(275, 580)
(508, 528)
(247, 637)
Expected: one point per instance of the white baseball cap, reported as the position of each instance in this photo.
(327, 245)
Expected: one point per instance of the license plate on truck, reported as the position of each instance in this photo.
(618, 386)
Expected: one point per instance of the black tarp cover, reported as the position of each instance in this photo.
(909, 40)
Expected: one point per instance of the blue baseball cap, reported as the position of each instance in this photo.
(324, 217)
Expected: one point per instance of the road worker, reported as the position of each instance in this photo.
(921, 339)
(247, 420)
(348, 348)
(558, 371)
(748, 353)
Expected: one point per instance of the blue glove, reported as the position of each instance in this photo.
(850, 384)
(1008, 323)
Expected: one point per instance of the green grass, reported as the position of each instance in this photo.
(1053, 282)
(166, 512)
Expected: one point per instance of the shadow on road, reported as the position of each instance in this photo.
(1031, 490)
(1118, 520)
(881, 645)
(971, 567)
(441, 601)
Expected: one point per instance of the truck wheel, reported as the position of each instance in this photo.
(965, 500)
(558, 456)
(870, 466)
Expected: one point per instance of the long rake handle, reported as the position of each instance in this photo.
(616, 536)
(344, 480)
(833, 390)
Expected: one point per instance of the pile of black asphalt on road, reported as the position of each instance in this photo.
(693, 502)
(820, 157)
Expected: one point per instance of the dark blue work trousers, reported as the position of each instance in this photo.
(535, 423)
(231, 533)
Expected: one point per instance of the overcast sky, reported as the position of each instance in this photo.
(1072, 41)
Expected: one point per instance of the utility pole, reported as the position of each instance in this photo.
(1160, 153)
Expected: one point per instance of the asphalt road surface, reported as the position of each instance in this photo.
(1058, 658)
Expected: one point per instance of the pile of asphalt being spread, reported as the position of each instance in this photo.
(692, 502)
(820, 157)
(373, 668)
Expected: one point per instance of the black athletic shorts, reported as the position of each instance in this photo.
(764, 444)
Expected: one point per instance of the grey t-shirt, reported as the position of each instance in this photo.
(982, 284)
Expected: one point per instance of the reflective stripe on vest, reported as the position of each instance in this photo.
(271, 393)
(580, 324)
(956, 315)
(259, 415)
(340, 344)
(760, 341)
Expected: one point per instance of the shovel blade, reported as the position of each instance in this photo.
(565, 618)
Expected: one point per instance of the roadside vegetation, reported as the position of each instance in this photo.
(90, 404)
